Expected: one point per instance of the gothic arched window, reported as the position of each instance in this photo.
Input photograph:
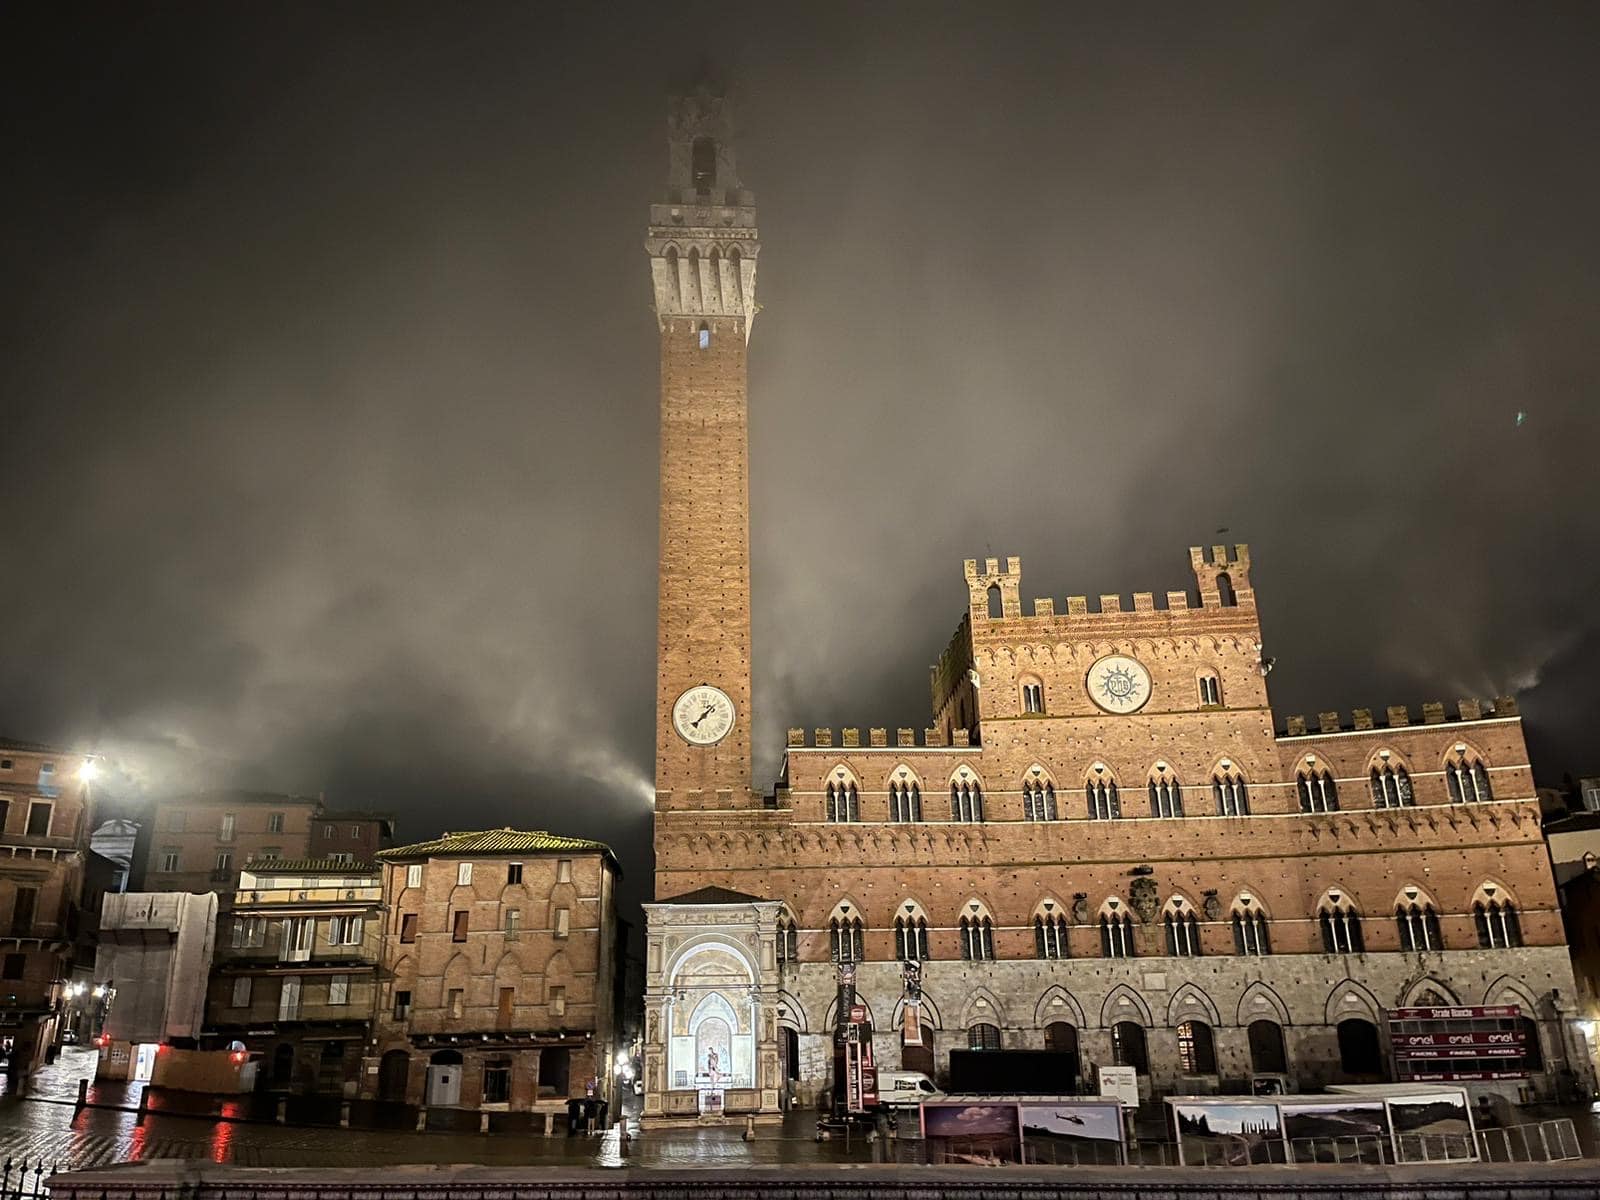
(1038, 800)
(911, 935)
(1228, 789)
(1166, 794)
(1101, 793)
(703, 163)
(1050, 931)
(1182, 928)
(844, 802)
(1318, 792)
(845, 938)
(905, 801)
(966, 800)
(1391, 786)
(1417, 922)
(1116, 930)
(1340, 925)
(977, 934)
(788, 940)
(1467, 779)
(1250, 928)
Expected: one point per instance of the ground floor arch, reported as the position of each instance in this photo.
(394, 1073)
(1360, 1050)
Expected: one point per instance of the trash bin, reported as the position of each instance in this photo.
(574, 1116)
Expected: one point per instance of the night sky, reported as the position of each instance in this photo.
(330, 388)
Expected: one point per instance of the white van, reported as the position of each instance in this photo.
(906, 1089)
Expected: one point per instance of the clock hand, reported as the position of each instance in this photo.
(695, 724)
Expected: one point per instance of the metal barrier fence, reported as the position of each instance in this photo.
(1538, 1141)
(22, 1180)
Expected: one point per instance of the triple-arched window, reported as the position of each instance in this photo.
(1417, 921)
(1391, 786)
(1116, 930)
(1039, 800)
(845, 940)
(911, 936)
(1250, 928)
(1467, 779)
(977, 936)
(966, 800)
(1101, 794)
(788, 940)
(1495, 917)
(905, 801)
(844, 802)
(1166, 794)
(1182, 928)
(1050, 931)
(1318, 792)
(1231, 794)
(1340, 924)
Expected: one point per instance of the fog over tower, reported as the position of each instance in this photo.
(702, 244)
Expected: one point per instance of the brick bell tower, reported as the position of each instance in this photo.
(703, 246)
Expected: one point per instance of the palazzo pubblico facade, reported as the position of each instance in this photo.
(1104, 842)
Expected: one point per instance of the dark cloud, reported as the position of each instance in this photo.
(330, 377)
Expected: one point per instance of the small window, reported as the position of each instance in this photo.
(705, 338)
(39, 818)
(414, 875)
(558, 1001)
(1225, 592)
(458, 925)
(5, 764)
(408, 928)
(402, 1005)
(1210, 690)
(224, 862)
(339, 989)
(1033, 698)
(563, 870)
(355, 832)
(241, 992)
(983, 1037)
(513, 873)
(463, 873)
(563, 922)
(328, 833)
(169, 859)
(226, 835)
(703, 163)
(996, 603)
(275, 822)
(342, 858)
(513, 922)
(497, 1081)
(456, 1002)
(13, 966)
(271, 852)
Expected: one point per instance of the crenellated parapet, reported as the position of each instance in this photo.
(1222, 579)
(1399, 716)
(849, 738)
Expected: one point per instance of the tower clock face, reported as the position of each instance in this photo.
(703, 715)
(1119, 684)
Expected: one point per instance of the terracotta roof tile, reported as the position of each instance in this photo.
(495, 842)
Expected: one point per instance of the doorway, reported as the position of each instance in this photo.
(1063, 1039)
(1267, 1054)
(444, 1079)
(393, 1074)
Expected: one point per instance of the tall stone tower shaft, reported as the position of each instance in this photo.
(703, 246)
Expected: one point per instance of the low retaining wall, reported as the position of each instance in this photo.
(170, 1180)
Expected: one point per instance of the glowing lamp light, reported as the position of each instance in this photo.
(90, 771)
(238, 1056)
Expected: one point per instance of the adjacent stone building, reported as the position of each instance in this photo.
(296, 974)
(44, 837)
(499, 979)
(199, 843)
(1104, 841)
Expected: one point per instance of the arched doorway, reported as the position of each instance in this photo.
(283, 1065)
(393, 1074)
(1360, 1053)
(791, 1053)
(919, 1058)
(1267, 1053)
(1128, 1046)
(710, 1035)
(1063, 1039)
(1197, 1049)
(444, 1079)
